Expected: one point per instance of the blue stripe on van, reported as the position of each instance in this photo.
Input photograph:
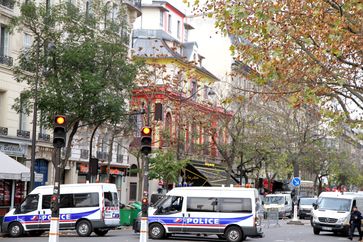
(35, 218)
(196, 220)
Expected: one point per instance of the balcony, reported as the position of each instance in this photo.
(7, 3)
(43, 137)
(23, 133)
(6, 60)
(3, 131)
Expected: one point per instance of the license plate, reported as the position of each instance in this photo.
(326, 228)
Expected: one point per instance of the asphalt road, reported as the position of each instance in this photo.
(274, 233)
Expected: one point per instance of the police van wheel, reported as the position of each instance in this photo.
(156, 231)
(84, 228)
(234, 234)
(15, 229)
(101, 232)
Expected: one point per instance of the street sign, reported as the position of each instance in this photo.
(296, 181)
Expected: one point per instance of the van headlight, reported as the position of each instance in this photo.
(344, 220)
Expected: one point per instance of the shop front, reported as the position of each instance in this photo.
(13, 179)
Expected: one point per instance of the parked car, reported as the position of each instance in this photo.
(305, 206)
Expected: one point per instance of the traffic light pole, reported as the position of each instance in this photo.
(54, 220)
(145, 205)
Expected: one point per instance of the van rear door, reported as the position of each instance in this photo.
(110, 208)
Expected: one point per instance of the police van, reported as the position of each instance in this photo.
(231, 213)
(86, 208)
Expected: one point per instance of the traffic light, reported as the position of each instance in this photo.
(60, 131)
(54, 203)
(146, 140)
(145, 204)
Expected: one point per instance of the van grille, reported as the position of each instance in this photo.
(328, 220)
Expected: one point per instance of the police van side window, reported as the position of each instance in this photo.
(171, 205)
(202, 204)
(235, 205)
(29, 204)
(86, 200)
(66, 201)
(111, 199)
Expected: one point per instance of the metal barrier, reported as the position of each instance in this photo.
(272, 217)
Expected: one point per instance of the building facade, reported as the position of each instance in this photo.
(16, 128)
(175, 92)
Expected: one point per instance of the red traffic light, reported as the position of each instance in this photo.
(146, 131)
(144, 200)
(54, 198)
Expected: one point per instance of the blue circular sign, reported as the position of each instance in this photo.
(296, 181)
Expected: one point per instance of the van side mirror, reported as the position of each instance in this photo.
(315, 206)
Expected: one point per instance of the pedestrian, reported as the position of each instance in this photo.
(355, 222)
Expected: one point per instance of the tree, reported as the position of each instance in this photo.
(79, 60)
(164, 166)
(308, 51)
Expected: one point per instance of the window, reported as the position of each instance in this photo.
(27, 41)
(158, 112)
(169, 23)
(66, 201)
(235, 205)
(28, 205)
(202, 204)
(4, 41)
(133, 170)
(111, 199)
(86, 200)
(170, 205)
(193, 90)
(178, 29)
(22, 114)
(161, 18)
(133, 191)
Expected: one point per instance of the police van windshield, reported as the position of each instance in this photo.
(274, 200)
(336, 204)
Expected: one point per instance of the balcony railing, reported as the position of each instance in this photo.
(101, 155)
(6, 60)
(44, 137)
(7, 3)
(23, 133)
(3, 131)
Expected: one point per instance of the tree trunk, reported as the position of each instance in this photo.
(69, 144)
(110, 153)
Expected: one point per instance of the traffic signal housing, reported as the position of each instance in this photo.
(54, 203)
(60, 131)
(146, 140)
(144, 205)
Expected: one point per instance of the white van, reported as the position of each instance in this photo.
(85, 207)
(332, 211)
(281, 202)
(228, 212)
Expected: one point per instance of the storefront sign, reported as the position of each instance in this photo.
(13, 149)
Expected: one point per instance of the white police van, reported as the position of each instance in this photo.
(87, 208)
(228, 212)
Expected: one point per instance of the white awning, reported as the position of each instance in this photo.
(13, 170)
